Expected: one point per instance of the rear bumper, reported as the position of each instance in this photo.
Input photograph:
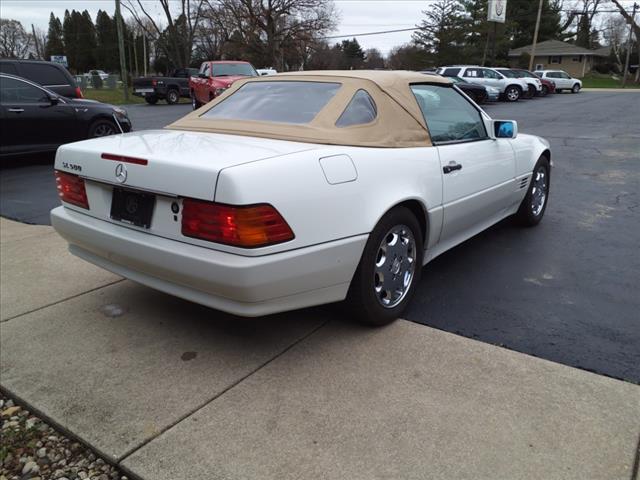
(247, 286)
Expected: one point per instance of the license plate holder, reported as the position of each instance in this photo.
(132, 206)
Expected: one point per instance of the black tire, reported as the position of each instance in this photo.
(195, 104)
(363, 301)
(151, 100)
(545, 91)
(481, 98)
(531, 91)
(512, 93)
(529, 215)
(103, 128)
(575, 88)
(558, 90)
(173, 96)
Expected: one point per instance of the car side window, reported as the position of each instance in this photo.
(490, 74)
(449, 116)
(44, 74)
(451, 72)
(361, 110)
(8, 68)
(18, 92)
(473, 73)
(564, 75)
(205, 69)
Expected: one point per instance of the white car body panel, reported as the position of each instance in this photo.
(331, 196)
(561, 82)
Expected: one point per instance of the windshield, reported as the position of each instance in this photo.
(232, 69)
(275, 101)
(457, 80)
(509, 73)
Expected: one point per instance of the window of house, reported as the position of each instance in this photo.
(577, 59)
(557, 59)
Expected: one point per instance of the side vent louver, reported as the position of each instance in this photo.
(524, 182)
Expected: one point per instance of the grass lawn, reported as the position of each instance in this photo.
(115, 97)
(601, 81)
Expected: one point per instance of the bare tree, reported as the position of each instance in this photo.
(279, 26)
(635, 28)
(15, 42)
(614, 33)
(178, 38)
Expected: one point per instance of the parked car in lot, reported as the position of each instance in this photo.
(511, 89)
(36, 119)
(52, 76)
(562, 80)
(547, 86)
(101, 73)
(266, 71)
(215, 77)
(169, 88)
(533, 82)
(263, 200)
(479, 93)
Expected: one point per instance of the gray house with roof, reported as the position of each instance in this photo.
(554, 54)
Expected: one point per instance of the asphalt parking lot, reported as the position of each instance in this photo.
(566, 291)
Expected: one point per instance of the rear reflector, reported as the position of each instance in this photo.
(122, 158)
(247, 226)
(71, 189)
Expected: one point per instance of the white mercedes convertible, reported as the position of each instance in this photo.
(300, 189)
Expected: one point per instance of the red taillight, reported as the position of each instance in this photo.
(79, 93)
(248, 226)
(154, 82)
(71, 189)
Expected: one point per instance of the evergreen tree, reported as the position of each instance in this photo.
(87, 45)
(442, 32)
(54, 45)
(521, 20)
(70, 37)
(353, 55)
(106, 43)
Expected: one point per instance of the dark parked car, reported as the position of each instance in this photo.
(36, 119)
(48, 74)
(169, 88)
(473, 90)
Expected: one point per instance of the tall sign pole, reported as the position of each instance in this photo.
(535, 37)
(629, 44)
(123, 63)
(496, 13)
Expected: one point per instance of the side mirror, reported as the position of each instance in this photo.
(262, 74)
(504, 128)
(54, 99)
(202, 75)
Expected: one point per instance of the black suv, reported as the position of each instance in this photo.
(48, 74)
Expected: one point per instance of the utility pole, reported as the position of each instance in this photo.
(629, 44)
(123, 63)
(535, 37)
(39, 53)
(144, 52)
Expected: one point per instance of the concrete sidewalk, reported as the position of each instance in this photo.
(171, 390)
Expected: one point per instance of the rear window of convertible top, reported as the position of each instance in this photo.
(275, 101)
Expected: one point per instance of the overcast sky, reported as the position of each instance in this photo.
(356, 16)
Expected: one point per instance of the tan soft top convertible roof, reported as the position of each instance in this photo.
(399, 121)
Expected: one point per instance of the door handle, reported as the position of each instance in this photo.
(16, 110)
(451, 167)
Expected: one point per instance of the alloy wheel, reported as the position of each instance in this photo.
(395, 266)
(513, 94)
(104, 130)
(539, 191)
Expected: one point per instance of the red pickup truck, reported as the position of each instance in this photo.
(215, 77)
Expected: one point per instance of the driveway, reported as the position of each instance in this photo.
(564, 291)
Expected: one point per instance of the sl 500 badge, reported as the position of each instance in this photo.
(72, 166)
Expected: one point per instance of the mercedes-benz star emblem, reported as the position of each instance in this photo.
(121, 173)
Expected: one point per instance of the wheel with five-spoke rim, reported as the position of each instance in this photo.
(389, 269)
(512, 93)
(103, 128)
(535, 201)
(173, 96)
